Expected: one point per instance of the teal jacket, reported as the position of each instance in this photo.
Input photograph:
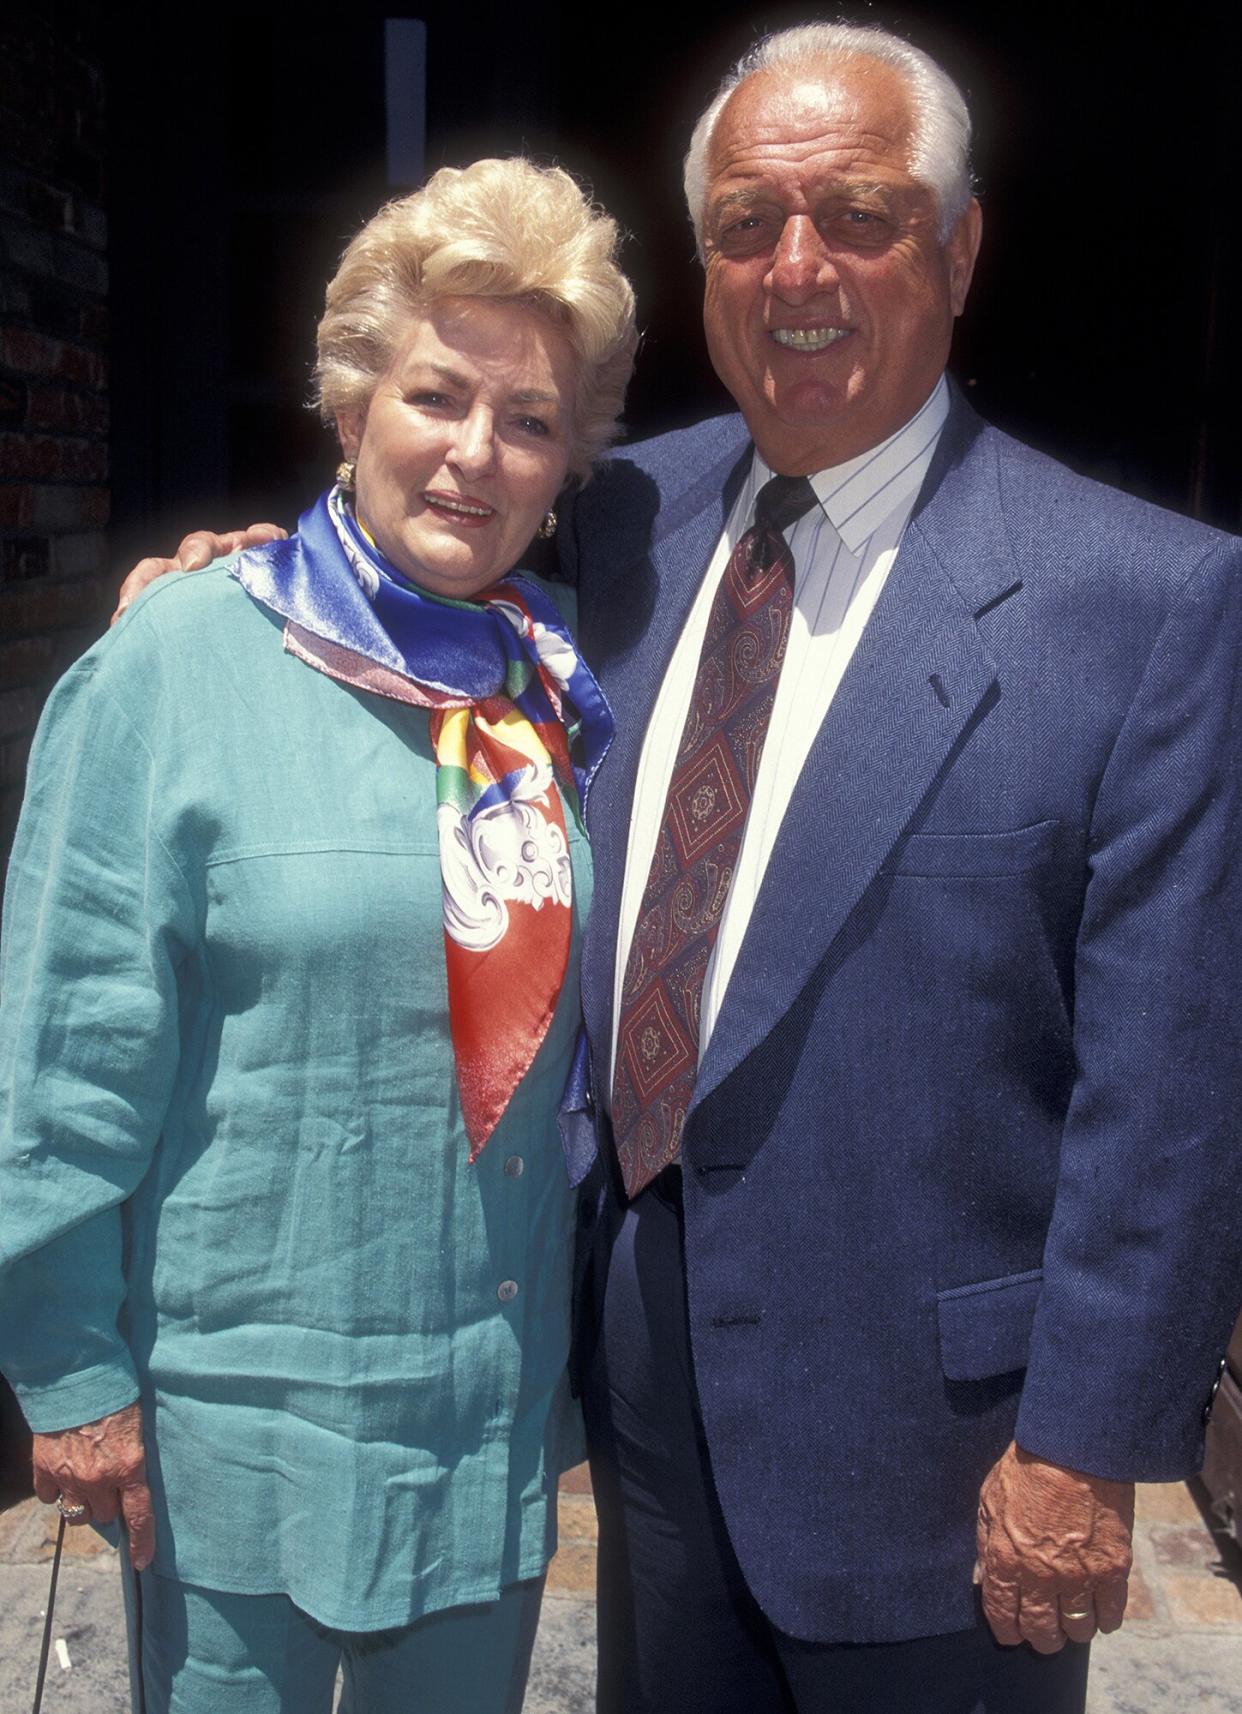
(233, 1172)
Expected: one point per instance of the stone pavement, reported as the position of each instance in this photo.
(1180, 1651)
(562, 1671)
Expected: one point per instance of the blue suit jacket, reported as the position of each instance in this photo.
(962, 1160)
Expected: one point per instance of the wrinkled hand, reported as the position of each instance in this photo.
(197, 549)
(1054, 1551)
(102, 1466)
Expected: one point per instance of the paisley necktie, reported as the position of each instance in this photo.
(700, 836)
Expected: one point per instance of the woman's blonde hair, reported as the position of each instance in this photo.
(496, 229)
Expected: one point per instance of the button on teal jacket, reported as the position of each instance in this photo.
(233, 1172)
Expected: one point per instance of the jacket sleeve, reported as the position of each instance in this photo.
(97, 917)
(1143, 1261)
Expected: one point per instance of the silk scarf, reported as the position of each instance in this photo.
(518, 729)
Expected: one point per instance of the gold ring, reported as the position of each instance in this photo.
(1071, 1613)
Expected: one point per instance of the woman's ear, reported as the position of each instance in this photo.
(349, 426)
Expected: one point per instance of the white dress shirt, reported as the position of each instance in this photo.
(843, 550)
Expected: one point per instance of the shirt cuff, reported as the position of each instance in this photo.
(80, 1398)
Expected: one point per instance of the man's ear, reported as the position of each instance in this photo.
(349, 426)
(963, 248)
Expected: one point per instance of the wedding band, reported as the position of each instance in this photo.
(1075, 1613)
(71, 1514)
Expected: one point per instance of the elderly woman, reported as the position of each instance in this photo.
(290, 996)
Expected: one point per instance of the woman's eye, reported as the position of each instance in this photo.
(534, 425)
(429, 401)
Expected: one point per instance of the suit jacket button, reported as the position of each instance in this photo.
(1211, 1398)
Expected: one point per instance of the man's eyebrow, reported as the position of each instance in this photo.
(753, 196)
(858, 188)
(742, 199)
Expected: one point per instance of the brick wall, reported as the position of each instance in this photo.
(55, 587)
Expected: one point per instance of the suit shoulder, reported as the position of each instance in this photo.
(663, 467)
(670, 476)
(1052, 511)
(679, 456)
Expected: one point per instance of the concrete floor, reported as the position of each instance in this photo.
(1180, 1651)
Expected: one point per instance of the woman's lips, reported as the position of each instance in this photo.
(461, 509)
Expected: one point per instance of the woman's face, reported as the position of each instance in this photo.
(465, 442)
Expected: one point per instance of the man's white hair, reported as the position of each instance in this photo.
(939, 150)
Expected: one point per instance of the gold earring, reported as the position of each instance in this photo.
(548, 527)
(345, 475)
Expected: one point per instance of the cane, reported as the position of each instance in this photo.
(136, 1682)
(47, 1623)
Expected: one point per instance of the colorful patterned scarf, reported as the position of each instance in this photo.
(518, 727)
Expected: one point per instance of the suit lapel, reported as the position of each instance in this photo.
(912, 689)
(917, 678)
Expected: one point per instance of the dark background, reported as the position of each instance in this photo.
(246, 144)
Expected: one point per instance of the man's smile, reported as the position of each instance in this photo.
(808, 338)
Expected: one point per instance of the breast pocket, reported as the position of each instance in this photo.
(1008, 851)
(294, 925)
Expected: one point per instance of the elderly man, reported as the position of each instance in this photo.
(911, 974)
(910, 977)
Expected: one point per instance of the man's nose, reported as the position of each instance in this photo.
(473, 450)
(801, 264)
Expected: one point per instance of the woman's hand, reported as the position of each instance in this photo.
(101, 1466)
(197, 549)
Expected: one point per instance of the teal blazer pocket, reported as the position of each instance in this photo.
(985, 1329)
(1011, 851)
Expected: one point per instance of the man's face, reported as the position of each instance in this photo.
(830, 299)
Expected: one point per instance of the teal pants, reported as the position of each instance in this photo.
(206, 1652)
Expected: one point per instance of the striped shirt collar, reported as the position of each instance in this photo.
(859, 494)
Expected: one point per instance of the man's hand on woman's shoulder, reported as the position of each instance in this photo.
(197, 549)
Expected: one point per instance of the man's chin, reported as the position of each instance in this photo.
(808, 424)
